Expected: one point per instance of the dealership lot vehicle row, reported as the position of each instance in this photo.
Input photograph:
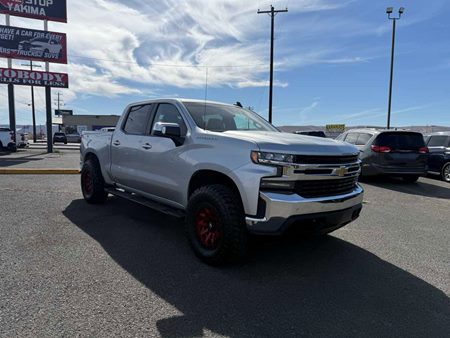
(69, 268)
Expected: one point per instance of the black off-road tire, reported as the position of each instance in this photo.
(92, 182)
(410, 178)
(227, 206)
(444, 174)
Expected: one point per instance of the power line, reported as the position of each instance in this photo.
(168, 65)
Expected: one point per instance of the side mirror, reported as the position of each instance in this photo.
(169, 130)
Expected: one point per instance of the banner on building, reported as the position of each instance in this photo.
(33, 78)
(53, 10)
(30, 44)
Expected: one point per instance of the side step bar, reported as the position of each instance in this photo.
(147, 202)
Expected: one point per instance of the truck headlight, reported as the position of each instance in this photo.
(260, 157)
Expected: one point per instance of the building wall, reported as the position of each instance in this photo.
(92, 122)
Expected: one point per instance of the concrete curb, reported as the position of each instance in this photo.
(33, 171)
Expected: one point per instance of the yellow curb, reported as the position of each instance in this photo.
(31, 171)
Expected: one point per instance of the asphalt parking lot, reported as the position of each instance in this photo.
(72, 269)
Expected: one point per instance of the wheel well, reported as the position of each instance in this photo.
(208, 177)
(91, 156)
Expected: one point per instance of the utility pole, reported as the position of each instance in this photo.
(58, 101)
(272, 14)
(389, 11)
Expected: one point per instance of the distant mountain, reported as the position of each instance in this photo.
(421, 129)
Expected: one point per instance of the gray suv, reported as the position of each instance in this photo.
(390, 152)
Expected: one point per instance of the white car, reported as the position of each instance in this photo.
(7, 140)
(41, 45)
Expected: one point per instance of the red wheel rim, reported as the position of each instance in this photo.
(208, 227)
(87, 182)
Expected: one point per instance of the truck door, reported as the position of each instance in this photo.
(127, 143)
(162, 162)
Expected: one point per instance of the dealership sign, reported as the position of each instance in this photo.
(54, 10)
(30, 44)
(33, 78)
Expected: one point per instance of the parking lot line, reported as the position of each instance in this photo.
(34, 171)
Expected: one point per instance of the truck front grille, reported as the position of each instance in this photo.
(306, 159)
(321, 188)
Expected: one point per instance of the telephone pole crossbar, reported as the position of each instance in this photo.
(272, 14)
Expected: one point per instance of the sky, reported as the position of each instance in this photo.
(332, 59)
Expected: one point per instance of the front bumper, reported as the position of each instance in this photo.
(284, 210)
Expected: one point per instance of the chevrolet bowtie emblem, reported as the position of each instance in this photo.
(342, 171)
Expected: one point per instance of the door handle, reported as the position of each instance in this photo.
(116, 143)
(147, 146)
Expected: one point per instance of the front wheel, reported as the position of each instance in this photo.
(446, 173)
(215, 225)
(410, 178)
(92, 183)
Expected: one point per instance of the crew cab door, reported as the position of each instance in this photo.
(127, 145)
(161, 162)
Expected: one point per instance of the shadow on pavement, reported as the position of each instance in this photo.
(313, 287)
(423, 187)
(19, 157)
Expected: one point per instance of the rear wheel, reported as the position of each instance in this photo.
(445, 175)
(92, 183)
(215, 225)
(12, 147)
(410, 178)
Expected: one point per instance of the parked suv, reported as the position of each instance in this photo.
(439, 158)
(7, 140)
(390, 152)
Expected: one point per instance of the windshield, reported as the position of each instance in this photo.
(220, 117)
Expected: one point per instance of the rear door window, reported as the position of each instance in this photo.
(351, 138)
(401, 140)
(438, 141)
(137, 120)
(363, 138)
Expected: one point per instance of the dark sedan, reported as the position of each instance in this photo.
(60, 137)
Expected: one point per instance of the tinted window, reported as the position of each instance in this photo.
(169, 113)
(438, 141)
(363, 138)
(401, 141)
(137, 120)
(351, 138)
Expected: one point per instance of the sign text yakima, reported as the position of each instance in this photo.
(53, 10)
(30, 44)
(33, 78)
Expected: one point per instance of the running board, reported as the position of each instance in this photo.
(147, 202)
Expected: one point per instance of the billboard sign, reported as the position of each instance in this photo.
(53, 10)
(336, 128)
(30, 44)
(33, 78)
(63, 112)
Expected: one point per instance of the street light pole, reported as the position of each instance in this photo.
(389, 11)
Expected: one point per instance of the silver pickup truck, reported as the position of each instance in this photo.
(224, 169)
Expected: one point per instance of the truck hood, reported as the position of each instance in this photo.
(293, 143)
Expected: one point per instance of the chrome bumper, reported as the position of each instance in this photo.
(280, 208)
